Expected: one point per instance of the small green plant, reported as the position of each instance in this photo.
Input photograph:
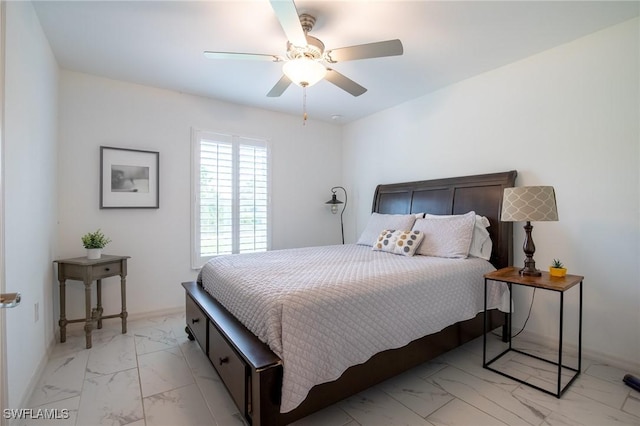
(95, 240)
(557, 264)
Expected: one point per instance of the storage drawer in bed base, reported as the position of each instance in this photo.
(196, 322)
(247, 367)
(230, 366)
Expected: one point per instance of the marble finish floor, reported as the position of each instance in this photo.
(154, 375)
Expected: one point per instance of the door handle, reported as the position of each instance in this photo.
(9, 300)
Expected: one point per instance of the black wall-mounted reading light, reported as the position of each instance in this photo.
(334, 202)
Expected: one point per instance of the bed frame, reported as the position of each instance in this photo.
(252, 373)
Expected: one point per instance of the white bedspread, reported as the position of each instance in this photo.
(324, 309)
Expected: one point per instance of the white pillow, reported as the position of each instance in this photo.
(446, 236)
(481, 244)
(399, 242)
(379, 221)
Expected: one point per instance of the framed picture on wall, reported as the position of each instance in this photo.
(129, 178)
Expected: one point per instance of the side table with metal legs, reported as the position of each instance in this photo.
(511, 277)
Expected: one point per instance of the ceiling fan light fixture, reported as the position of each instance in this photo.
(304, 72)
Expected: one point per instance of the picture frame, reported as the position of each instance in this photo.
(129, 178)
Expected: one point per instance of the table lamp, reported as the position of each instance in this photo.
(529, 204)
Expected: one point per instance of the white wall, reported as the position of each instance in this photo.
(30, 194)
(567, 117)
(95, 111)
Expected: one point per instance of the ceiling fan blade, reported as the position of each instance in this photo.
(288, 16)
(280, 87)
(242, 56)
(344, 83)
(365, 51)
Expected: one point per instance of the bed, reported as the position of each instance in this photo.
(253, 372)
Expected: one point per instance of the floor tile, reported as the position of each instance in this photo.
(373, 407)
(417, 394)
(611, 394)
(164, 322)
(459, 413)
(151, 339)
(632, 405)
(463, 360)
(574, 409)
(61, 379)
(138, 423)
(429, 368)
(115, 353)
(606, 372)
(488, 397)
(532, 370)
(72, 345)
(219, 401)
(330, 416)
(197, 360)
(183, 406)
(111, 399)
(178, 324)
(475, 346)
(61, 413)
(161, 371)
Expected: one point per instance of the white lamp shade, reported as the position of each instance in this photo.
(304, 71)
(529, 203)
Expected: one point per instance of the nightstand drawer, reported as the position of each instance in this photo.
(106, 270)
(90, 272)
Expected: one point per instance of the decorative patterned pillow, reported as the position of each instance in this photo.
(378, 221)
(398, 242)
(446, 236)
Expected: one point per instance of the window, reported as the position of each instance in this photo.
(230, 196)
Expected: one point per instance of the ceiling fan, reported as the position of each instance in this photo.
(303, 61)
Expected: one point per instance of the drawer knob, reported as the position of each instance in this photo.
(223, 360)
(107, 269)
(195, 320)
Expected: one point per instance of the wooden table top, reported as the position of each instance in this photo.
(511, 274)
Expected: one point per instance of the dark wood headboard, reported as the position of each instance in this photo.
(457, 195)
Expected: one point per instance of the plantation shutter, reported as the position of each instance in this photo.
(216, 197)
(253, 197)
(231, 195)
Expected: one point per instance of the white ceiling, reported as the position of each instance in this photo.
(160, 43)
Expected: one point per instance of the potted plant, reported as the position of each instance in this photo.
(94, 242)
(557, 269)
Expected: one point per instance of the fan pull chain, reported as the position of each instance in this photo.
(304, 105)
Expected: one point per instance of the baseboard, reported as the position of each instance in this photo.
(157, 313)
(42, 365)
(629, 366)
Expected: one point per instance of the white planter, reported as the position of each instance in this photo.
(94, 253)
